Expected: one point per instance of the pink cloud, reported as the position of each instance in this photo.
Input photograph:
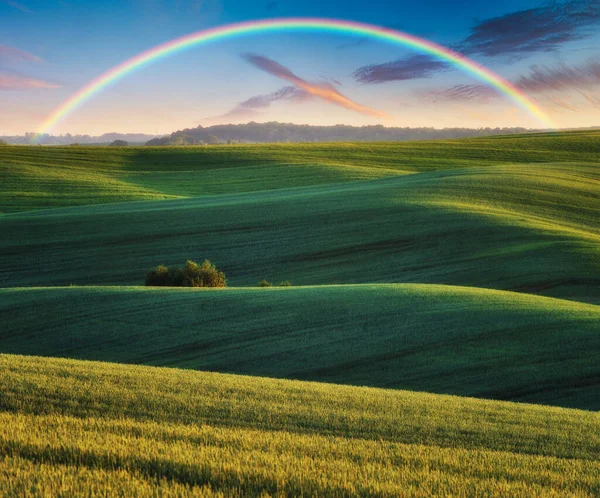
(16, 54)
(323, 91)
(13, 81)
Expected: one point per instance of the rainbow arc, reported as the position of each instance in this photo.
(166, 49)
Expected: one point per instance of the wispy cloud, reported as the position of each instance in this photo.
(540, 29)
(13, 81)
(251, 108)
(560, 87)
(324, 91)
(459, 93)
(561, 77)
(410, 68)
(263, 101)
(16, 5)
(543, 28)
(335, 81)
(15, 54)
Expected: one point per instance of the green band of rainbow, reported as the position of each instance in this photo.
(297, 24)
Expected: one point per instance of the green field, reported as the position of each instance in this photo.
(463, 267)
(72, 427)
(432, 338)
(496, 227)
(44, 177)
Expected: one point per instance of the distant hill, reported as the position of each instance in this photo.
(68, 139)
(288, 132)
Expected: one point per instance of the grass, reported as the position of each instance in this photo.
(479, 216)
(73, 427)
(464, 341)
(42, 177)
(531, 229)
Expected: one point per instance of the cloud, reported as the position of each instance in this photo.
(410, 68)
(12, 81)
(324, 91)
(15, 54)
(249, 108)
(16, 5)
(460, 93)
(335, 81)
(263, 101)
(539, 29)
(561, 77)
(561, 88)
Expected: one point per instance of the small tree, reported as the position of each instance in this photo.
(285, 283)
(265, 283)
(158, 277)
(205, 275)
(176, 278)
(119, 143)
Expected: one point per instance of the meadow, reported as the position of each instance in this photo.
(77, 427)
(46, 177)
(434, 338)
(438, 287)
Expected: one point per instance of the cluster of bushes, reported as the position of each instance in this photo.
(194, 275)
(191, 275)
(266, 283)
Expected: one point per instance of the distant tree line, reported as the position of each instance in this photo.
(68, 139)
(275, 132)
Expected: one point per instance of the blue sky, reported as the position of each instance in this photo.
(49, 49)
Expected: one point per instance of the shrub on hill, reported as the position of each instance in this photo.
(205, 275)
(158, 277)
(191, 275)
(285, 283)
(265, 283)
(119, 143)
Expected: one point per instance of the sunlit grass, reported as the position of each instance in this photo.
(78, 426)
(43, 177)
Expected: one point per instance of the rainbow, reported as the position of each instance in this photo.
(297, 24)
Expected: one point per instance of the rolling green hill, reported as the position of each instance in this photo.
(465, 341)
(400, 256)
(45, 177)
(532, 229)
(75, 427)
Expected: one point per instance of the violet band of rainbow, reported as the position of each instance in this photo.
(342, 27)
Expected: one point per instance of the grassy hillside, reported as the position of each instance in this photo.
(440, 339)
(43, 177)
(69, 426)
(527, 228)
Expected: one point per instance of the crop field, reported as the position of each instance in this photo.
(445, 298)
(45, 177)
(434, 338)
(72, 426)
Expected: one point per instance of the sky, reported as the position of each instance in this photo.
(50, 49)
